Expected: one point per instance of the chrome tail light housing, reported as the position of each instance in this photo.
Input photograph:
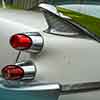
(28, 41)
(19, 71)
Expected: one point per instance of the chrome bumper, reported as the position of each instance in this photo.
(42, 87)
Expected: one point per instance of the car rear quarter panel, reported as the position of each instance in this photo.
(64, 60)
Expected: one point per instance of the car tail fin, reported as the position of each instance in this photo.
(63, 25)
(57, 22)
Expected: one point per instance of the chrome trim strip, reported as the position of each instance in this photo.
(38, 88)
(80, 88)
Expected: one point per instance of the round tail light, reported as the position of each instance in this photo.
(23, 71)
(12, 72)
(21, 41)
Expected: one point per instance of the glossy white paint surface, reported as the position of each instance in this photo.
(11, 22)
(64, 60)
(68, 60)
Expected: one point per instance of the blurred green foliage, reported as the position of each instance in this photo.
(89, 22)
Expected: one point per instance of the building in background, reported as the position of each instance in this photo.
(26, 4)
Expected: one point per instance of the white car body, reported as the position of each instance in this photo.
(62, 60)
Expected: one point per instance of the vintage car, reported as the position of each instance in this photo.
(58, 61)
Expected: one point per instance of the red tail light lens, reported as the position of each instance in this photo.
(12, 72)
(21, 41)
